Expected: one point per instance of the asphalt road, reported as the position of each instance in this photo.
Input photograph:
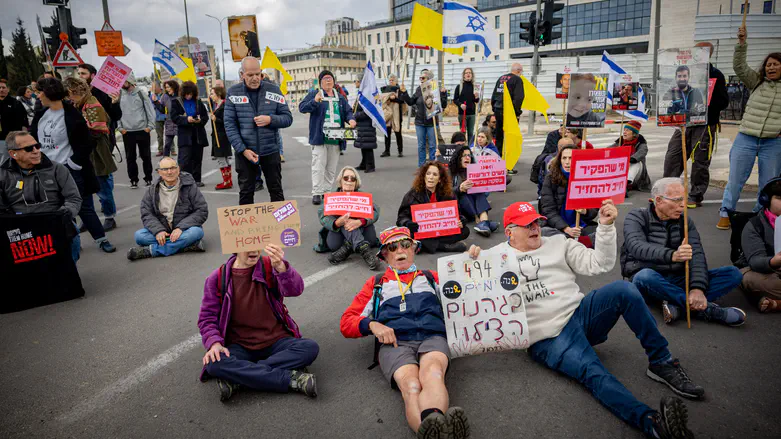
(124, 360)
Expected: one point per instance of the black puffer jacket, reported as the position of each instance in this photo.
(650, 243)
(191, 208)
(552, 197)
(420, 106)
(190, 134)
(365, 134)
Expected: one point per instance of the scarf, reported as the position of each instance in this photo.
(569, 216)
(95, 115)
(433, 197)
(632, 143)
(412, 268)
(771, 218)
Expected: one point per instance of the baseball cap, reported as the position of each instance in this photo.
(521, 213)
(395, 234)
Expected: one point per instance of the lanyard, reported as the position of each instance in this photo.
(403, 290)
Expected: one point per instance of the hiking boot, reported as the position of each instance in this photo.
(109, 224)
(227, 389)
(433, 427)
(368, 255)
(303, 383)
(483, 229)
(693, 204)
(317, 200)
(723, 223)
(457, 423)
(106, 246)
(196, 247)
(136, 253)
(672, 374)
(456, 247)
(670, 312)
(727, 316)
(342, 253)
(670, 421)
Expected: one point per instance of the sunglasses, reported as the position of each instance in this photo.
(393, 246)
(28, 148)
(350, 178)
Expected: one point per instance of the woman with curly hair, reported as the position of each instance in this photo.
(432, 184)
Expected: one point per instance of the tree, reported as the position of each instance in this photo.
(23, 63)
(3, 61)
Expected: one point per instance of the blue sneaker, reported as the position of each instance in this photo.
(482, 228)
(730, 316)
(493, 225)
(106, 246)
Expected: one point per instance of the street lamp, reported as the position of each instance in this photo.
(222, 46)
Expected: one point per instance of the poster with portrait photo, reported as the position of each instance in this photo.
(587, 100)
(199, 54)
(431, 98)
(243, 31)
(625, 95)
(683, 87)
(562, 85)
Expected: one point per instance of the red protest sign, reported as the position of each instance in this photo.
(358, 204)
(597, 175)
(489, 174)
(711, 85)
(436, 219)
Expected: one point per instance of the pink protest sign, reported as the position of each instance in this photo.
(436, 219)
(111, 76)
(597, 175)
(488, 175)
(358, 204)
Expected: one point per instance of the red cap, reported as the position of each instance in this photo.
(521, 214)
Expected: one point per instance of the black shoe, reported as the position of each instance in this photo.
(305, 383)
(109, 224)
(133, 185)
(730, 316)
(198, 183)
(369, 171)
(456, 247)
(317, 200)
(136, 253)
(227, 389)
(196, 247)
(512, 172)
(385, 154)
(147, 183)
(433, 427)
(400, 154)
(672, 374)
(106, 246)
(457, 423)
(360, 168)
(368, 255)
(341, 152)
(670, 422)
(258, 185)
(341, 254)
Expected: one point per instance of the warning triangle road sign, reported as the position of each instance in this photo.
(66, 56)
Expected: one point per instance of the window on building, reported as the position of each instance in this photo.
(401, 52)
(466, 49)
(501, 41)
(496, 57)
(743, 6)
(369, 39)
(767, 8)
(387, 37)
(390, 53)
(431, 52)
(420, 53)
(397, 36)
(398, 70)
(496, 22)
(406, 34)
(450, 61)
(382, 55)
(388, 70)
(378, 38)
(477, 48)
(460, 60)
(471, 59)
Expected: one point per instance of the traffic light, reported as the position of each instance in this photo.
(549, 22)
(52, 38)
(75, 33)
(529, 29)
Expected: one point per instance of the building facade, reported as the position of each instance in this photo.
(305, 66)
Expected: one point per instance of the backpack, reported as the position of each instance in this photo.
(376, 298)
(268, 275)
(738, 221)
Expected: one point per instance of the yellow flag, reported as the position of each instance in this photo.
(513, 139)
(187, 74)
(533, 100)
(270, 61)
(426, 29)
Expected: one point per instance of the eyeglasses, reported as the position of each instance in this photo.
(537, 222)
(393, 246)
(674, 200)
(350, 178)
(27, 148)
(168, 169)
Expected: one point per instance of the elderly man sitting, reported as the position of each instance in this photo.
(401, 307)
(564, 324)
(654, 255)
(172, 211)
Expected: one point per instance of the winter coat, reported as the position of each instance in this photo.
(215, 313)
(420, 106)
(650, 243)
(720, 98)
(13, 117)
(762, 117)
(224, 149)
(191, 208)
(48, 188)
(552, 197)
(466, 95)
(394, 101)
(164, 105)
(365, 134)
(515, 85)
(101, 157)
(160, 113)
(137, 111)
(757, 243)
(328, 223)
(240, 113)
(404, 216)
(317, 115)
(114, 110)
(190, 134)
(643, 180)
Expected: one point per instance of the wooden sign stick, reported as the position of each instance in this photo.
(686, 219)
(211, 110)
(745, 11)
(477, 111)
(621, 133)
(582, 146)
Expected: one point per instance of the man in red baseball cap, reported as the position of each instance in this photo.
(564, 324)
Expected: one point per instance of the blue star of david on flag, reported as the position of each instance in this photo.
(168, 59)
(463, 25)
(476, 27)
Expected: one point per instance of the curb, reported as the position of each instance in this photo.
(721, 184)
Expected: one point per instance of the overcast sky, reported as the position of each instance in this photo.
(282, 24)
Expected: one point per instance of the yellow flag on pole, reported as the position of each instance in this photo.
(533, 100)
(270, 61)
(426, 29)
(513, 139)
(187, 74)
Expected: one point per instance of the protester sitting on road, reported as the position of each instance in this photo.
(221, 145)
(424, 126)
(484, 144)
(762, 275)
(22, 187)
(250, 338)
(553, 202)
(654, 253)
(408, 322)
(173, 211)
(432, 184)
(343, 235)
(190, 116)
(550, 148)
(65, 138)
(474, 207)
(637, 178)
(544, 162)
(563, 326)
(136, 124)
(576, 134)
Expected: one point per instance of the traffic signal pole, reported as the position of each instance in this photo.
(535, 71)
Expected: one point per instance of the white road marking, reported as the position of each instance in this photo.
(212, 172)
(121, 211)
(143, 373)
(302, 140)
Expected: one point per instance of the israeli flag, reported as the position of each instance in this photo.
(168, 59)
(462, 25)
(369, 99)
(615, 71)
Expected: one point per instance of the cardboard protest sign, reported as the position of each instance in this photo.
(199, 54)
(586, 100)
(252, 226)
(431, 98)
(436, 219)
(243, 34)
(482, 303)
(358, 204)
(682, 86)
(446, 153)
(625, 95)
(562, 85)
(596, 175)
(111, 76)
(109, 43)
(489, 174)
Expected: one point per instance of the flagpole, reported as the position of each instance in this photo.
(211, 110)
(477, 111)
(582, 146)
(686, 219)
(621, 133)
(414, 70)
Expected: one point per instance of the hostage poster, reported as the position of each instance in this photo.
(625, 95)
(562, 85)
(587, 100)
(431, 98)
(683, 86)
(243, 32)
(199, 54)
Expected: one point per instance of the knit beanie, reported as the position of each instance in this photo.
(324, 73)
(633, 126)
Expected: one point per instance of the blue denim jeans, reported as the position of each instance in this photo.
(76, 248)
(87, 211)
(657, 287)
(187, 238)
(425, 135)
(106, 195)
(745, 150)
(279, 140)
(472, 205)
(571, 352)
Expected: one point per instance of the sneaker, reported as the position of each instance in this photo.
(369, 171)
(136, 253)
(305, 383)
(147, 183)
(368, 255)
(197, 183)
(227, 389)
(433, 427)
(483, 229)
(456, 247)
(670, 312)
(385, 154)
(670, 421)
(493, 225)
(214, 158)
(133, 185)
(672, 374)
(512, 172)
(457, 423)
(109, 224)
(693, 204)
(400, 154)
(282, 158)
(341, 152)
(360, 168)
(173, 152)
(723, 223)
(106, 246)
(317, 200)
(258, 185)
(730, 316)
(196, 247)
(341, 254)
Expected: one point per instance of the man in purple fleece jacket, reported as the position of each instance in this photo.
(250, 338)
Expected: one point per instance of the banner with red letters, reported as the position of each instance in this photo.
(597, 175)
(489, 174)
(357, 204)
(436, 219)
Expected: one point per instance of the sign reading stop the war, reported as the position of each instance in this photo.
(597, 175)
(357, 204)
(111, 76)
(253, 226)
(436, 219)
